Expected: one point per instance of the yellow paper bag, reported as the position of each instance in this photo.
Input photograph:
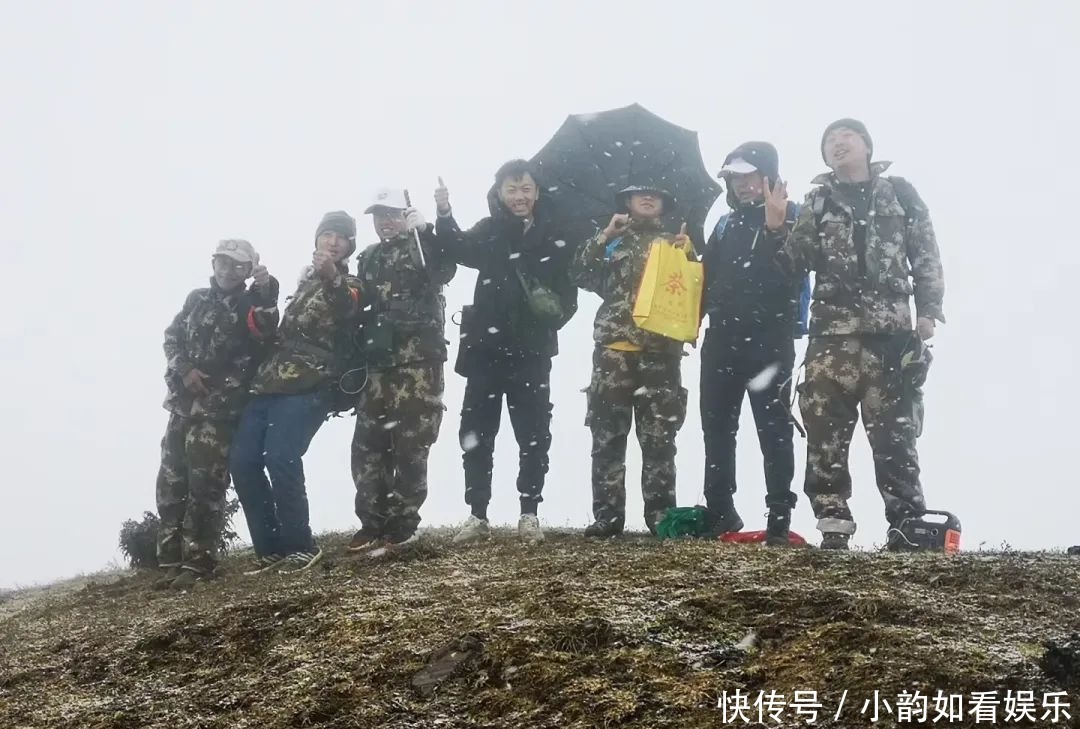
(669, 297)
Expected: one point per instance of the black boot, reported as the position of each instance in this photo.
(834, 540)
(776, 533)
(721, 521)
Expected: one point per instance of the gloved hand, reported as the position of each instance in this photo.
(414, 219)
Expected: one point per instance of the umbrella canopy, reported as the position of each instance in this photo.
(594, 156)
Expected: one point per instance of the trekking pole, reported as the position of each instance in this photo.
(416, 236)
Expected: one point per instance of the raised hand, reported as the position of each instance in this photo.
(775, 204)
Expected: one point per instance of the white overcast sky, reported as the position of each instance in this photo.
(136, 134)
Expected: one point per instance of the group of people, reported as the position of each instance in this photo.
(249, 387)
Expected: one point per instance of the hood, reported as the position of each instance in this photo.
(760, 154)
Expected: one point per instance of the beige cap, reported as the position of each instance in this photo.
(239, 250)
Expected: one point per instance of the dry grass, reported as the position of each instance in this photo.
(570, 633)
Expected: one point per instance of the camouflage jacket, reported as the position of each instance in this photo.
(224, 335)
(901, 259)
(404, 311)
(306, 354)
(613, 270)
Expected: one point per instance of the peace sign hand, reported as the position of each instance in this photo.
(775, 205)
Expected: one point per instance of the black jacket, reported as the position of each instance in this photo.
(747, 294)
(499, 323)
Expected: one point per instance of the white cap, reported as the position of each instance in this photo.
(387, 197)
(738, 166)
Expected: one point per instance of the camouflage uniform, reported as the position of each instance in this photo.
(293, 389)
(644, 385)
(860, 324)
(401, 408)
(221, 334)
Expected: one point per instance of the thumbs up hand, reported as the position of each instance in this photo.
(442, 199)
(682, 240)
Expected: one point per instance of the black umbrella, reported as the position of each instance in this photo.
(594, 156)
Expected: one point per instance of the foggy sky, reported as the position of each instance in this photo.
(137, 134)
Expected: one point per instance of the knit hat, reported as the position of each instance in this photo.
(339, 222)
(854, 125)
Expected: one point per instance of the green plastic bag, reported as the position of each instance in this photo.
(682, 521)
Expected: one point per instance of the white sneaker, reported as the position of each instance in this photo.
(474, 530)
(529, 530)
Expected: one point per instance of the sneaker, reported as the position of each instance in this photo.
(778, 528)
(392, 543)
(263, 564)
(834, 540)
(473, 530)
(171, 573)
(363, 540)
(529, 530)
(602, 529)
(187, 579)
(300, 561)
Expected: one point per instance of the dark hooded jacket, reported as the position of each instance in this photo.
(499, 322)
(748, 296)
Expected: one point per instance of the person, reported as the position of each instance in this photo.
(293, 391)
(635, 374)
(509, 336)
(212, 348)
(870, 241)
(753, 310)
(401, 406)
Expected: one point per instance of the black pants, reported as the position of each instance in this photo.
(526, 384)
(730, 368)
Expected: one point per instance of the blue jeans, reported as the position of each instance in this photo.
(273, 435)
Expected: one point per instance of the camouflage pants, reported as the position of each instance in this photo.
(397, 420)
(646, 388)
(844, 375)
(191, 486)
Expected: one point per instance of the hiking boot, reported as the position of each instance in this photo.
(263, 564)
(778, 528)
(835, 540)
(720, 522)
(473, 530)
(603, 529)
(363, 540)
(187, 579)
(300, 561)
(171, 573)
(529, 530)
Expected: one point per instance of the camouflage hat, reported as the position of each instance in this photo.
(239, 250)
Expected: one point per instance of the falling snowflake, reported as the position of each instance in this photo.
(469, 441)
(390, 425)
(641, 392)
(514, 256)
(545, 259)
(764, 378)
(560, 243)
(485, 282)
(493, 330)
